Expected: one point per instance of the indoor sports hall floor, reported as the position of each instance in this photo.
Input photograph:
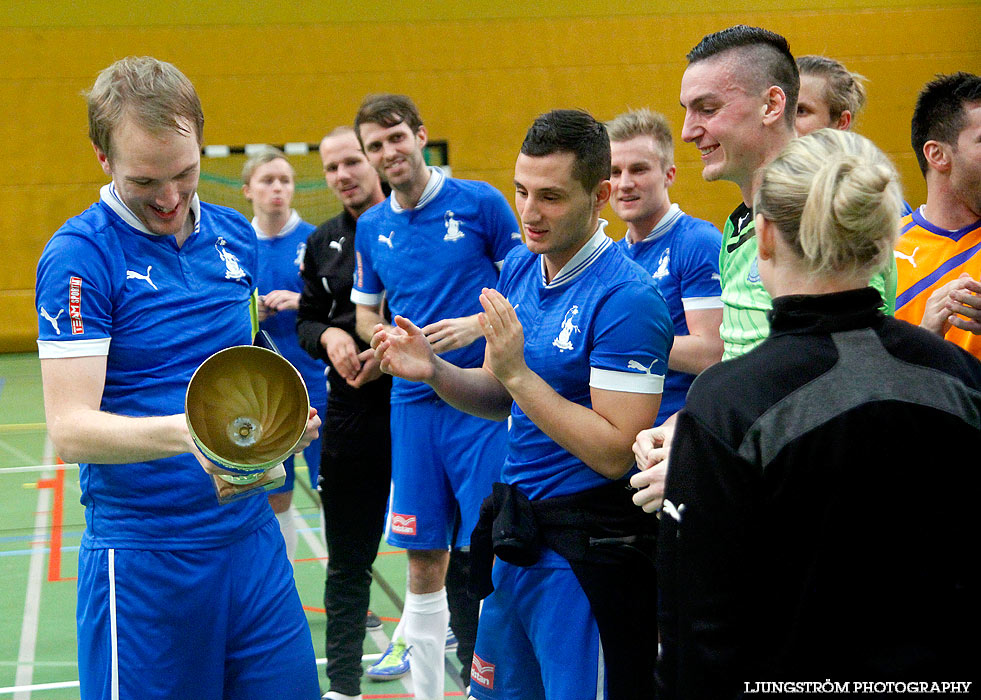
(41, 523)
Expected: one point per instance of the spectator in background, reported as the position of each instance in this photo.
(939, 251)
(268, 184)
(830, 95)
(355, 469)
(680, 251)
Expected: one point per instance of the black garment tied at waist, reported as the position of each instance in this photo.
(609, 544)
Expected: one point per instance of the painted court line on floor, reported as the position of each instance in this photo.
(32, 601)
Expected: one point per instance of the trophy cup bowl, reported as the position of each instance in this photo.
(247, 409)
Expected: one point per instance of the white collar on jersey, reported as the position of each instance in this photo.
(109, 195)
(585, 257)
(288, 227)
(436, 179)
(667, 221)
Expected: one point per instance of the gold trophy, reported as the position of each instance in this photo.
(247, 410)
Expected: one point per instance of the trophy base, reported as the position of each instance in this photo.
(248, 485)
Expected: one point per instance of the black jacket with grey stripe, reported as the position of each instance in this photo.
(820, 508)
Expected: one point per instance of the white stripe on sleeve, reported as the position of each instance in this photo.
(633, 382)
(92, 347)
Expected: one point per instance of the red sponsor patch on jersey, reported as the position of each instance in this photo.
(482, 673)
(75, 304)
(404, 524)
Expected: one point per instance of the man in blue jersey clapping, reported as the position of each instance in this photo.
(577, 343)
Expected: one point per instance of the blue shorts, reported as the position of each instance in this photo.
(441, 457)
(209, 624)
(537, 638)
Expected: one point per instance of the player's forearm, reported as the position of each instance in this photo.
(475, 390)
(693, 353)
(581, 431)
(366, 319)
(87, 435)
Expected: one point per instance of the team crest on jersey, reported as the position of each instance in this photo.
(404, 524)
(662, 264)
(301, 250)
(482, 673)
(53, 320)
(75, 304)
(233, 269)
(453, 232)
(754, 271)
(563, 341)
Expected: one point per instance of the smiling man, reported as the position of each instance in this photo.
(155, 282)
(679, 251)
(428, 250)
(355, 471)
(577, 343)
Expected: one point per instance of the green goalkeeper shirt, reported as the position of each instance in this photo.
(745, 303)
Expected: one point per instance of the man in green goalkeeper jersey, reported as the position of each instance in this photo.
(740, 98)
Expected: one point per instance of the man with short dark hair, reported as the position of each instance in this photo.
(577, 370)
(355, 470)
(178, 596)
(680, 251)
(740, 97)
(939, 251)
(428, 250)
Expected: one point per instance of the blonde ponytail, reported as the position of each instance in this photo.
(835, 198)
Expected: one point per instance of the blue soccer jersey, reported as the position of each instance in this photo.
(107, 286)
(602, 323)
(433, 260)
(280, 257)
(682, 255)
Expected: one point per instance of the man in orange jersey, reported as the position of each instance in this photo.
(939, 251)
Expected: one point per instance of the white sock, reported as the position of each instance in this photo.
(426, 616)
(287, 525)
(399, 632)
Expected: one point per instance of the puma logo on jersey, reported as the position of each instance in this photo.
(130, 275)
(909, 257)
(674, 512)
(482, 673)
(516, 236)
(53, 321)
(633, 364)
(336, 245)
(404, 524)
(387, 240)
(715, 277)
